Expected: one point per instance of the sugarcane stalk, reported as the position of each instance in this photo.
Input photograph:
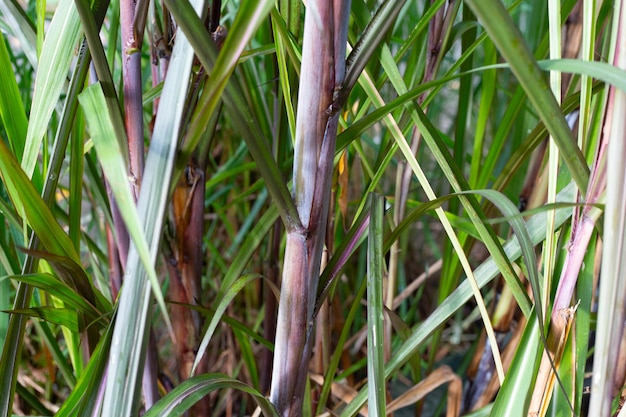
(322, 74)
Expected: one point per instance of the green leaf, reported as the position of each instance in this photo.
(514, 396)
(104, 136)
(11, 106)
(376, 30)
(185, 395)
(91, 27)
(56, 315)
(85, 398)
(74, 276)
(59, 289)
(507, 37)
(222, 302)
(56, 56)
(30, 399)
(21, 27)
(484, 273)
(281, 42)
(375, 310)
(26, 199)
(599, 70)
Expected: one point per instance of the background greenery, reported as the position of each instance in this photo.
(438, 211)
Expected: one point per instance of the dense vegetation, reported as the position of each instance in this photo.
(312, 208)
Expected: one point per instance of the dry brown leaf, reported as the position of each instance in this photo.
(342, 391)
(437, 378)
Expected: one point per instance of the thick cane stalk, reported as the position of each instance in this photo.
(322, 74)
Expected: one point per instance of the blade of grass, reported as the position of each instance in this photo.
(100, 64)
(375, 310)
(366, 46)
(66, 317)
(505, 34)
(56, 56)
(53, 286)
(222, 302)
(12, 349)
(21, 27)
(181, 398)
(25, 198)
(514, 395)
(586, 54)
(459, 184)
(106, 142)
(11, 106)
(285, 83)
(489, 80)
(484, 274)
(86, 398)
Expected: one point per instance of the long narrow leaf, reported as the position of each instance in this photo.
(181, 398)
(56, 57)
(84, 399)
(222, 304)
(55, 287)
(66, 317)
(375, 309)
(131, 329)
(104, 137)
(497, 22)
(514, 396)
(21, 27)
(26, 198)
(11, 107)
(484, 274)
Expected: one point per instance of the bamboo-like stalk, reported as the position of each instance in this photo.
(611, 309)
(322, 75)
(132, 23)
(188, 212)
(188, 207)
(133, 106)
(272, 271)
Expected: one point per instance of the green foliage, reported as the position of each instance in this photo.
(304, 230)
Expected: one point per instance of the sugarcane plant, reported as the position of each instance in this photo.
(287, 208)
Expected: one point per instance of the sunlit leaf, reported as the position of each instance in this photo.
(54, 63)
(27, 199)
(113, 162)
(11, 106)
